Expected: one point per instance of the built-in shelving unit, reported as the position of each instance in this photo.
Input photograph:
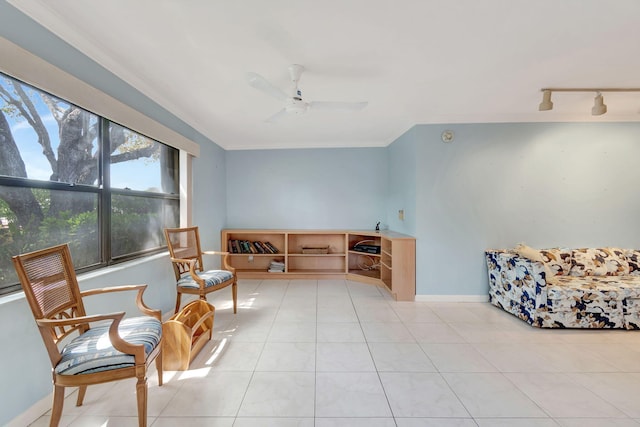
(365, 256)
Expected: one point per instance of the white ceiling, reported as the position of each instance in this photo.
(415, 61)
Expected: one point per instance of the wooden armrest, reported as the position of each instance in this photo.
(139, 301)
(53, 323)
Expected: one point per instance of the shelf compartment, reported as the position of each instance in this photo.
(259, 262)
(364, 264)
(385, 276)
(367, 273)
(386, 246)
(277, 239)
(366, 239)
(318, 263)
(296, 242)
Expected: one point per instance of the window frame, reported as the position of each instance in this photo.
(102, 189)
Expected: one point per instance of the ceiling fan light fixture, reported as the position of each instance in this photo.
(599, 107)
(546, 103)
(294, 104)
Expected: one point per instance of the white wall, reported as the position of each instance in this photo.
(571, 185)
(340, 188)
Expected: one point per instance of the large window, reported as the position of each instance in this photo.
(70, 176)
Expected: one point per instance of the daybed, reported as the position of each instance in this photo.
(567, 288)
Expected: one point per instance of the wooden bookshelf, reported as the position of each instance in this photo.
(326, 254)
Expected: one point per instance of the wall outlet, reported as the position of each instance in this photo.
(401, 214)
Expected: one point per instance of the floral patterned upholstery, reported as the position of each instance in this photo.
(593, 287)
(598, 262)
(633, 259)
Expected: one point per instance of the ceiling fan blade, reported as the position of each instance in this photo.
(260, 83)
(277, 116)
(337, 106)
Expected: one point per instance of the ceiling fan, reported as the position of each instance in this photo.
(293, 103)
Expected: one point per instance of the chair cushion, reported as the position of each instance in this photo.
(92, 351)
(210, 277)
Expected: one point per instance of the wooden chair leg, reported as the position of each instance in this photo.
(178, 296)
(56, 409)
(159, 367)
(82, 390)
(141, 395)
(234, 293)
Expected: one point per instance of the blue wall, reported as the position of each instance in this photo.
(403, 170)
(210, 198)
(496, 185)
(340, 188)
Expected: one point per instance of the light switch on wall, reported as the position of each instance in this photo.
(401, 214)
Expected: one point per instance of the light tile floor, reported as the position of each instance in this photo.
(338, 353)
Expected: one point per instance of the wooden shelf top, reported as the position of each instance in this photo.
(370, 233)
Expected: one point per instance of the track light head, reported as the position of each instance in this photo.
(546, 103)
(599, 107)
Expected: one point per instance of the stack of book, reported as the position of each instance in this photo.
(276, 267)
(247, 247)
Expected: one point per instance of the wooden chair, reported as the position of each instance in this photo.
(111, 350)
(186, 256)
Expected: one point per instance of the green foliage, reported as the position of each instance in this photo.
(72, 217)
(136, 224)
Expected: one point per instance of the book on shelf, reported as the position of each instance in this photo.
(258, 248)
(272, 248)
(237, 246)
(262, 246)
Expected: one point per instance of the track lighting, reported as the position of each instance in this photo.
(599, 107)
(546, 103)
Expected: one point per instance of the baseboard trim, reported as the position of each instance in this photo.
(452, 298)
(37, 410)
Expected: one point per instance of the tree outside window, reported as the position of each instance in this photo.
(70, 176)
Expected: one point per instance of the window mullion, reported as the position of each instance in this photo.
(104, 201)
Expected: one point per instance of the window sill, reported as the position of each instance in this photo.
(16, 296)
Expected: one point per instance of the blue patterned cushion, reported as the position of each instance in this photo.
(92, 351)
(210, 277)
